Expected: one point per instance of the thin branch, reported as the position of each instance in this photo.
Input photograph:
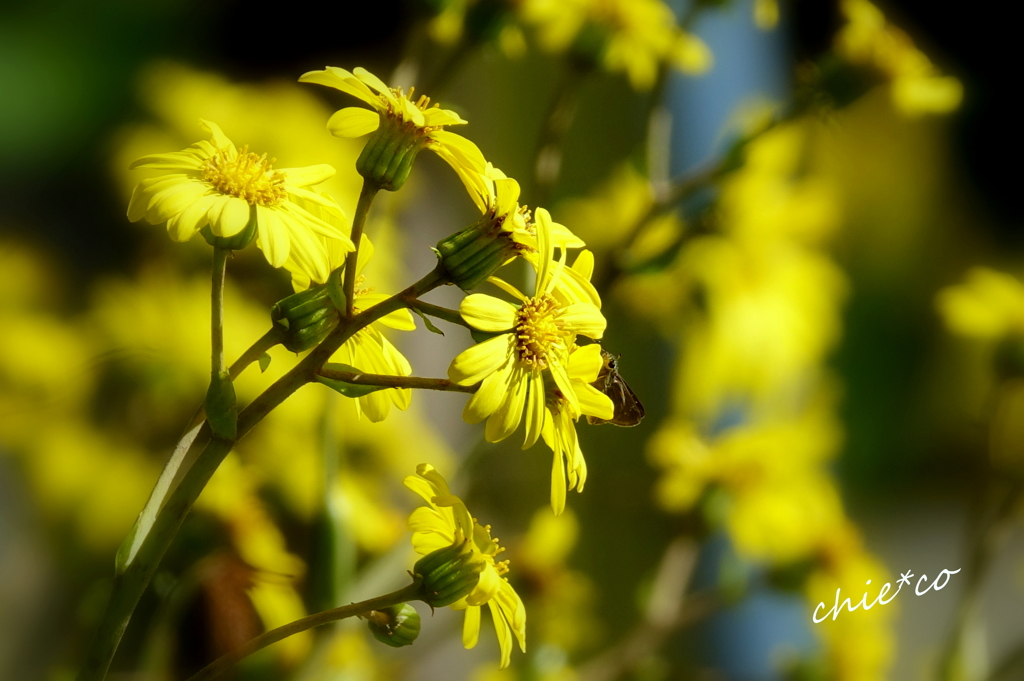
(442, 384)
(222, 664)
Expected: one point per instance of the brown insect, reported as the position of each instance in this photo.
(628, 410)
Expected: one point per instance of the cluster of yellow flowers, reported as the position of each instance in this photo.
(754, 309)
(530, 366)
(917, 86)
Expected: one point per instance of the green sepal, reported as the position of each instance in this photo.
(448, 574)
(396, 626)
(427, 323)
(347, 389)
(221, 409)
(238, 241)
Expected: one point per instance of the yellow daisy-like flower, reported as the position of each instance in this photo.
(989, 304)
(533, 341)
(408, 116)
(445, 522)
(559, 431)
(216, 184)
(637, 35)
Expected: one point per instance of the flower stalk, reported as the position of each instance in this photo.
(366, 195)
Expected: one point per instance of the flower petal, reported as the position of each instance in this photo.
(583, 318)
(593, 402)
(486, 400)
(471, 627)
(585, 363)
(535, 410)
(474, 364)
(308, 175)
(340, 79)
(175, 160)
(272, 237)
(505, 420)
(353, 121)
(488, 313)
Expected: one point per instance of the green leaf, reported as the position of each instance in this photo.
(264, 361)
(347, 389)
(143, 524)
(221, 412)
(427, 323)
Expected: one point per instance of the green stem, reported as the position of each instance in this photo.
(222, 664)
(220, 259)
(442, 384)
(130, 584)
(447, 314)
(366, 195)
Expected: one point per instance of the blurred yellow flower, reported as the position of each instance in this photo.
(989, 304)
(532, 339)
(917, 86)
(637, 36)
(220, 185)
(446, 521)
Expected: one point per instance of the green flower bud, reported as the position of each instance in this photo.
(448, 574)
(396, 626)
(238, 241)
(387, 158)
(475, 253)
(307, 317)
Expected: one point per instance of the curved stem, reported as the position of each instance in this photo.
(132, 582)
(222, 664)
(366, 195)
(442, 384)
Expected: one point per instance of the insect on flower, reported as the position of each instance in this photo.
(628, 410)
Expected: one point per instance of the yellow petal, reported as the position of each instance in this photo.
(309, 175)
(557, 469)
(593, 402)
(272, 237)
(217, 137)
(340, 79)
(507, 196)
(505, 420)
(471, 627)
(463, 151)
(192, 219)
(585, 363)
(353, 121)
(436, 116)
(486, 400)
(374, 82)
(504, 635)
(565, 386)
(476, 363)
(583, 318)
(172, 197)
(487, 313)
(175, 160)
(535, 410)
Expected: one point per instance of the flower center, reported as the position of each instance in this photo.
(422, 103)
(247, 176)
(538, 331)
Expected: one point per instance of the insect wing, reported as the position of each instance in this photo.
(627, 409)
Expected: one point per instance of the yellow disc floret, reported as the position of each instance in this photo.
(538, 332)
(243, 174)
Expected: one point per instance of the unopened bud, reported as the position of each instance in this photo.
(306, 317)
(387, 158)
(396, 626)
(448, 574)
(475, 253)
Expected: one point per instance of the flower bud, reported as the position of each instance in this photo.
(396, 626)
(235, 242)
(475, 253)
(387, 158)
(307, 317)
(448, 574)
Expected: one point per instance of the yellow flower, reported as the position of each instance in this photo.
(371, 352)
(534, 340)
(501, 201)
(638, 35)
(917, 87)
(445, 522)
(218, 185)
(559, 430)
(394, 107)
(989, 304)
